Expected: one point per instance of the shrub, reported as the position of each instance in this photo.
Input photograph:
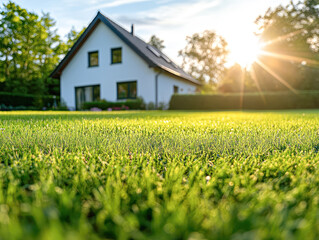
(135, 104)
(150, 106)
(16, 108)
(162, 106)
(26, 100)
(249, 101)
(98, 104)
(125, 105)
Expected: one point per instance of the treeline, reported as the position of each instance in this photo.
(30, 49)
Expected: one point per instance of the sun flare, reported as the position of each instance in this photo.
(245, 51)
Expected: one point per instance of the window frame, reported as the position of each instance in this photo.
(175, 87)
(128, 90)
(77, 87)
(114, 49)
(89, 59)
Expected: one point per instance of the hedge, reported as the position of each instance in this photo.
(104, 105)
(249, 101)
(26, 100)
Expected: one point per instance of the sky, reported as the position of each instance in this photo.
(170, 20)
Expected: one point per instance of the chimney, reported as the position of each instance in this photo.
(132, 29)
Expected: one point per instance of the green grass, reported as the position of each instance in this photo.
(159, 175)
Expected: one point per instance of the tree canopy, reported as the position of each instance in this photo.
(156, 42)
(291, 43)
(204, 57)
(30, 49)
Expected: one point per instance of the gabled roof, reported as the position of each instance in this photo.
(154, 57)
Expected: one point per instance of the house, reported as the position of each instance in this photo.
(108, 62)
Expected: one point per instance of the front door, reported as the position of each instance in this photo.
(86, 94)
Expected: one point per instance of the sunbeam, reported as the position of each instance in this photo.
(290, 58)
(281, 38)
(275, 75)
(242, 87)
(254, 77)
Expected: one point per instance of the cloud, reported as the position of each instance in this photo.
(137, 20)
(115, 3)
(171, 14)
(172, 21)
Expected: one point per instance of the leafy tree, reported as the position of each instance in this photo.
(231, 82)
(30, 49)
(237, 79)
(156, 42)
(204, 57)
(291, 36)
(72, 37)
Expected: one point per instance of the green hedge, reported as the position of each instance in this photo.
(104, 105)
(249, 101)
(13, 100)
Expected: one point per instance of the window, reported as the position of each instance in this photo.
(127, 90)
(175, 89)
(116, 55)
(86, 94)
(93, 59)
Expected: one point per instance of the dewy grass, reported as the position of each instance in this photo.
(159, 175)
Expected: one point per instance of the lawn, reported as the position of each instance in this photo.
(159, 175)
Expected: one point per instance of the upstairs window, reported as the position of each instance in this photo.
(127, 90)
(93, 59)
(116, 55)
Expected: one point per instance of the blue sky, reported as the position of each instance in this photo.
(171, 20)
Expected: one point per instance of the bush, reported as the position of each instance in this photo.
(99, 104)
(26, 101)
(135, 104)
(248, 101)
(150, 106)
(105, 105)
(17, 108)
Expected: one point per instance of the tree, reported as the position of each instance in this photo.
(291, 36)
(236, 80)
(30, 49)
(232, 80)
(204, 57)
(72, 37)
(156, 42)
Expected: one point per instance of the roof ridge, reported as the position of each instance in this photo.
(133, 35)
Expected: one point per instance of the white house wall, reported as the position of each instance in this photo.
(133, 67)
(166, 83)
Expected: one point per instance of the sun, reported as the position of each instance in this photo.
(245, 51)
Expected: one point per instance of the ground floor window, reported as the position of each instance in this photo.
(127, 90)
(86, 94)
(175, 89)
